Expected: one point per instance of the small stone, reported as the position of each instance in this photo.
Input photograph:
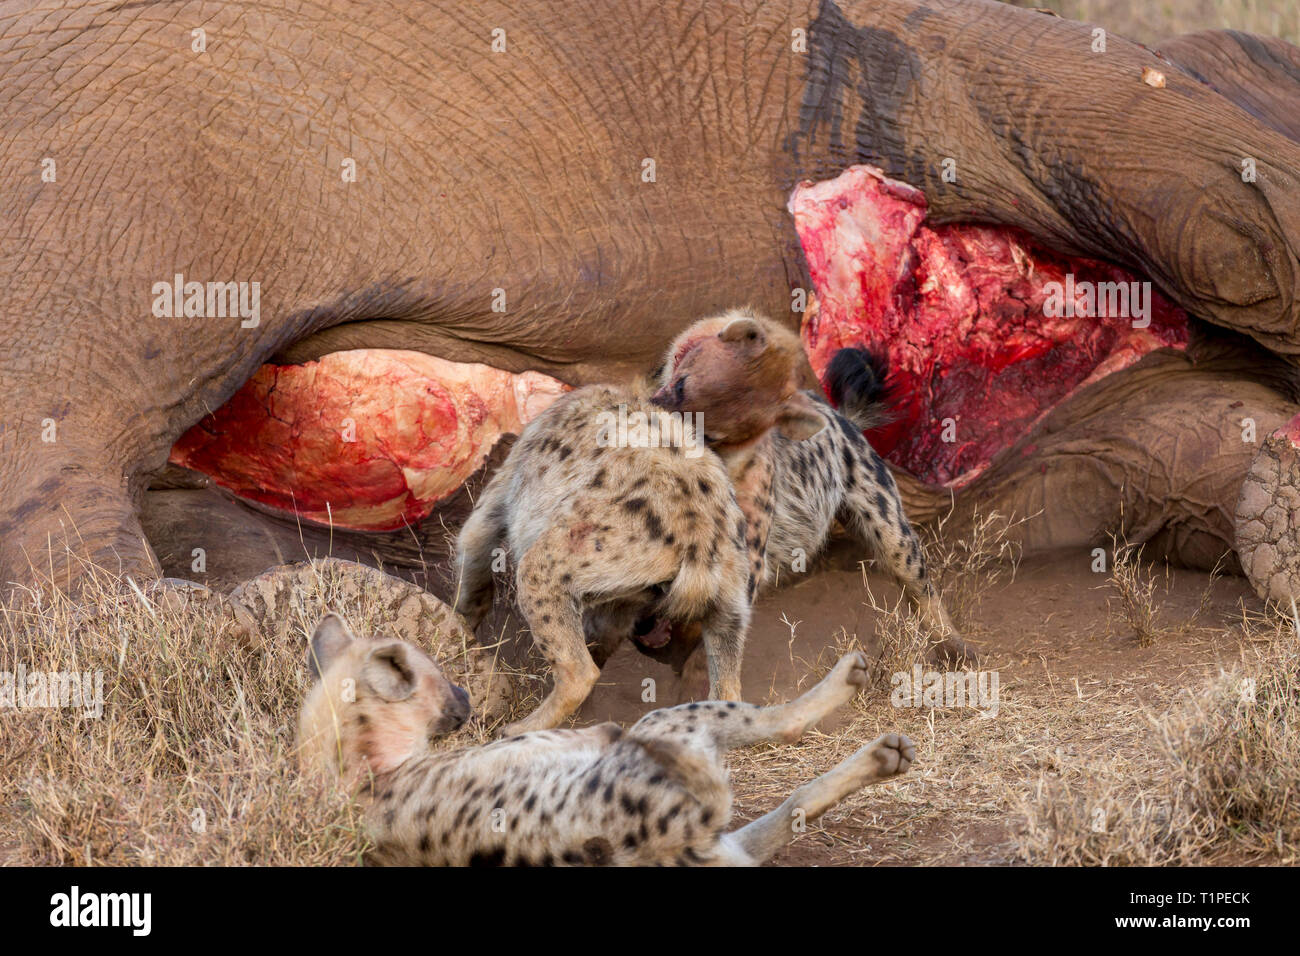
(1153, 78)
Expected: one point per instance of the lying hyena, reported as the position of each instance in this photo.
(793, 490)
(608, 532)
(656, 794)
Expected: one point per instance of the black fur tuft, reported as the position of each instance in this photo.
(855, 379)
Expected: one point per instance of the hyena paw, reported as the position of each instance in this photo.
(952, 651)
(890, 755)
(850, 674)
(471, 613)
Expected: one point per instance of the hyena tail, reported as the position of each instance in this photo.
(483, 531)
(855, 379)
(692, 592)
(694, 771)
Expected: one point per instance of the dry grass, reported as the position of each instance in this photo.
(1135, 587)
(1217, 779)
(965, 567)
(1101, 753)
(1155, 20)
(191, 761)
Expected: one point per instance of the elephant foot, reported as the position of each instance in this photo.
(1268, 517)
(1155, 453)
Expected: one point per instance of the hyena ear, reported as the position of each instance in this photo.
(799, 418)
(390, 672)
(744, 328)
(328, 641)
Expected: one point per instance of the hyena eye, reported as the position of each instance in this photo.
(679, 390)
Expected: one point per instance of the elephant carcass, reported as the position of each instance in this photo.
(564, 207)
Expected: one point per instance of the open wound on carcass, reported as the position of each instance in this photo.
(985, 330)
(368, 439)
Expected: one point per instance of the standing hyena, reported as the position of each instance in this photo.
(656, 794)
(614, 509)
(793, 490)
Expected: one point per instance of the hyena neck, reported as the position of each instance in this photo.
(739, 457)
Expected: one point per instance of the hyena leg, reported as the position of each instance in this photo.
(482, 533)
(873, 513)
(571, 566)
(885, 757)
(723, 631)
(724, 725)
(752, 484)
(554, 614)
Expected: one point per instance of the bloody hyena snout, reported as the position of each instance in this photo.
(735, 370)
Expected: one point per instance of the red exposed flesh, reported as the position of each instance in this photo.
(958, 311)
(421, 426)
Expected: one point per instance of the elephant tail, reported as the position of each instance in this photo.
(856, 382)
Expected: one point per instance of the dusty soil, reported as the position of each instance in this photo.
(1074, 685)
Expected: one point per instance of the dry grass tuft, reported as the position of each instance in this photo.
(901, 639)
(1135, 586)
(965, 568)
(192, 759)
(1220, 775)
(1235, 746)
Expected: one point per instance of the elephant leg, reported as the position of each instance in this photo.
(61, 516)
(1259, 73)
(1156, 453)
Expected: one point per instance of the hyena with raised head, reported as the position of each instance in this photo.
(656, 794)
(793, 490)
(608, 530)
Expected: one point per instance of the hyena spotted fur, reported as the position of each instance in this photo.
(657, 794)
(794, 489)
(605, 534)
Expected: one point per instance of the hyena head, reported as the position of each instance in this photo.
(740, 372)
(374, 704)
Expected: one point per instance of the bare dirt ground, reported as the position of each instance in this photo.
(1076, 691)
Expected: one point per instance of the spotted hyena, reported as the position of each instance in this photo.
(794, 489)
(609, 529)
(656, 794)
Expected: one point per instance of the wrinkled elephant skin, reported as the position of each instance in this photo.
(567, 204)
